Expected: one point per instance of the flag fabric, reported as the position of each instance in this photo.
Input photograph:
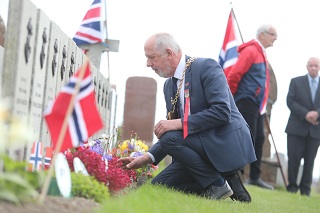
(228, 54)
(263, 105)
(84, 120)
(48, 157)
(90, 30)
(35, 161)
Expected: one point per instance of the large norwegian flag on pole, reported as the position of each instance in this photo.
(228, 54)
(90, 30)
(73, 117)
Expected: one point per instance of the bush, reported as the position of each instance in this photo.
(88, 187)
(16, 184)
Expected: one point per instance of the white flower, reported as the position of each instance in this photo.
(91, 143)
(14, 132)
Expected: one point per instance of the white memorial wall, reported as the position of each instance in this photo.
(37, 61)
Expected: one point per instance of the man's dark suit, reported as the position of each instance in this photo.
(218, 139)
(303, 137)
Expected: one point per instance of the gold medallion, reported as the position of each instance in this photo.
(172, 115)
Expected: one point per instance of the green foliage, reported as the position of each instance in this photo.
(36, 179)
(16, 184)
(158, 199)
(89, 187)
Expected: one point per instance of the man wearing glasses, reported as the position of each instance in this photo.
(249, 83)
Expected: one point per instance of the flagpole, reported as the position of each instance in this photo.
(62, 132)
(237, 23)
(105, 24)
(105, 17)
(277, 154)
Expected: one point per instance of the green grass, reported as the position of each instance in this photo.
(157, 199)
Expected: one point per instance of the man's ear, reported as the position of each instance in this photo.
(169, 52)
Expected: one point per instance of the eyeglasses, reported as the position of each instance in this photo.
(272, 34)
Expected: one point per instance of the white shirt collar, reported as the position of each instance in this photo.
(316, 78)
(264, 49)
(179, 71)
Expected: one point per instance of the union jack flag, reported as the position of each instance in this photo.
(84, 120)
(228, 54)
(90, 30)
(35, 161)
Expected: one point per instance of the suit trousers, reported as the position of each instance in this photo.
(250, 112)
(299, 147)
(191, 171)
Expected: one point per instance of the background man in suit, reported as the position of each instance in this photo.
(208, 139)
(248, 80)
(303, 129)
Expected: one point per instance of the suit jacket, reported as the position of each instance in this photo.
(299, 102)
(214, 116)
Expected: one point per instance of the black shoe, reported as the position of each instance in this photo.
(305, 192)
(292, 188)
(260, 183)
(218, 193)
(240, 193)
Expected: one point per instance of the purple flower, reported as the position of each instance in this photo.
(130, 146)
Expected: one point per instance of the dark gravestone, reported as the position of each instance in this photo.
(139, 109)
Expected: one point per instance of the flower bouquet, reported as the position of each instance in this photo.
(134, 147)
(102, 163)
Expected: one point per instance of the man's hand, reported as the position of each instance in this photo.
(135, 162)
(166, 125)
(312, 117)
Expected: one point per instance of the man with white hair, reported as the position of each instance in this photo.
(205, 134)
(249, 83)
(303, 129)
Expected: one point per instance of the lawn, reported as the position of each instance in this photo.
(157, 199)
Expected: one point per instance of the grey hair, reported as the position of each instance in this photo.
(263, 28)
(164, 41)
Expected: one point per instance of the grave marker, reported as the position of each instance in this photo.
(139, 108)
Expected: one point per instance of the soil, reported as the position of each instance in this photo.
(52, 204)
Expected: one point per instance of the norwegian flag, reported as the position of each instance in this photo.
(35, 161)
(228, 54)
(84, 120)
(48, 157)
(90, 30)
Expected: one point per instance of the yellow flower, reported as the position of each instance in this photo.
(124, 145)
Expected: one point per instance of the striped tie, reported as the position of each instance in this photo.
(175, 88)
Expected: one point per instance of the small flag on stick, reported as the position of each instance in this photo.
(48, 157)
(35, 161)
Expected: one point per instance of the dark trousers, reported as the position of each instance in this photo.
(191, 170)
(301, 147)
(250, 112)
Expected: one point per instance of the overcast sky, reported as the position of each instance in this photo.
(199, 27)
